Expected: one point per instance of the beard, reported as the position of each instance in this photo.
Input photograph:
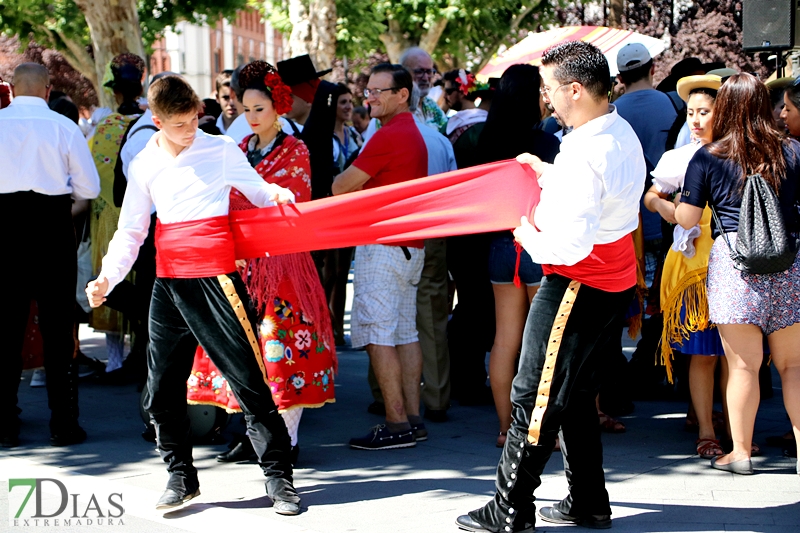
(553, 113)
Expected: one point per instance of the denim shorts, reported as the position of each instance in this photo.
(503, 260)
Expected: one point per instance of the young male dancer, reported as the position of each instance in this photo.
(580, 234)
(198, 295)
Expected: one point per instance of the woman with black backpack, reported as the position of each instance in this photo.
(750, 178)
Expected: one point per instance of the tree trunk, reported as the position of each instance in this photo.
(394, 41)
(322, 14)
(616, 9)
(300, 38)
(114, 27)
(431, 37)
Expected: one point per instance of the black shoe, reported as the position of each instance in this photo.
(420, 433)
(554, 516)
(380, 438)
(9, 440)
(243, 451)
(377, 408)
(149, 433)
(435, 415)
(172, 499)
(74, 435)
(466, 523)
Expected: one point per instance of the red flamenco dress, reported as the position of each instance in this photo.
(294, 327)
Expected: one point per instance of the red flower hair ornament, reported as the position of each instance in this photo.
(281, 93)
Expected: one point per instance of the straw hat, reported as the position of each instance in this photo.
(689, 83)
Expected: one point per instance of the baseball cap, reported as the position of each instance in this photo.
(631, 56)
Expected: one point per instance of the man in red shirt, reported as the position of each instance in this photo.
(385, 280)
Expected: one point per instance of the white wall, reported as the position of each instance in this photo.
(189, 48)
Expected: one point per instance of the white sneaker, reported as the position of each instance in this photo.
(38, 379)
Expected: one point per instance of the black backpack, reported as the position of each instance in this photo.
(762, 244)
(120, 181)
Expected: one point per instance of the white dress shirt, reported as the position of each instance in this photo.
(137, 139)
(440, 151)
(44, 152)
(192, 186)
(590, 194)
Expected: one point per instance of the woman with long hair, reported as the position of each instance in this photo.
(747, 306)
(294, 328)
(790, 114)
(684, 302)
(511, 130)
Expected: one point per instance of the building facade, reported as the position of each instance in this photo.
(201, 52)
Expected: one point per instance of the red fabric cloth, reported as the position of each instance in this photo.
(194, 249)
(305, 90)
(396, 153)
(478, 199)
(610, 267)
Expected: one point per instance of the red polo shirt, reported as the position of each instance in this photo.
(395, 153)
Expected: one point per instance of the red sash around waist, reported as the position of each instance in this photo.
(610, 267)
(195, 249)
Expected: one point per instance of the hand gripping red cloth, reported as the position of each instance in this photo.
(479, 199)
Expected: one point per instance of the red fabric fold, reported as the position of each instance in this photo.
(610, 267)
(478, 199)
(194, 249)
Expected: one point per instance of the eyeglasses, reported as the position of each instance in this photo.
(545, 90)
(378, 92)
(424, 71)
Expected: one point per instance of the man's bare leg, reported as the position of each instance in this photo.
(410, 356)
(386, 362)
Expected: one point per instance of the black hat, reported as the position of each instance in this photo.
(299, 69)
(685, 67)
(124, 74)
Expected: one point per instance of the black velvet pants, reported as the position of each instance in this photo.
(39, 262)
(217, 313)
(554, 390)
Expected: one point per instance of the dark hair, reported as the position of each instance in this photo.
(252, 77)
(513, 115)
(451, 76)
(211, 107)
(236, 87)
(55, 95)
(401, 78)
(63, 106)
(223, 79)
(318, 133)
(581, 62)
(345, 88)
(361, 111)
(711, 93)
(639, 73)
(745, 132)
(793, 93)
(172, 95)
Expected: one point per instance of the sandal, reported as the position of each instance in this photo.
(501, 439)
(610, 425)
(709, 448)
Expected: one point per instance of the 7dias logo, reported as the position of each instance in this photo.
(53, 505)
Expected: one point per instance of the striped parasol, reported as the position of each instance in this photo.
(530, 49)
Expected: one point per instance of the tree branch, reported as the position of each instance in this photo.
(513, 27)
(431, 37)
(77, 56)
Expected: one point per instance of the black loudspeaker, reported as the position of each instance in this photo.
(769, 25)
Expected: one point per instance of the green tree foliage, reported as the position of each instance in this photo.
(60, 25)
(456, 32)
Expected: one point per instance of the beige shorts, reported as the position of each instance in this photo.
(385, 295)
